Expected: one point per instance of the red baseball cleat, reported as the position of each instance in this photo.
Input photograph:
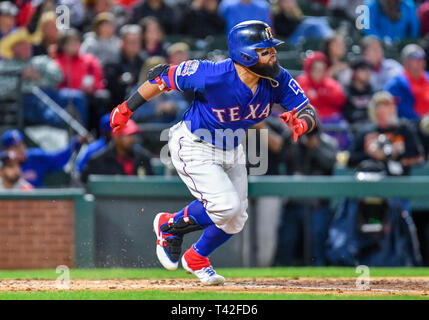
(200, 266)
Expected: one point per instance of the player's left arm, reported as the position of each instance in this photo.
(301, 116)
(301, 122)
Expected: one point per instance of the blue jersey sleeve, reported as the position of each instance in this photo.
(190, 75)
(289, 93)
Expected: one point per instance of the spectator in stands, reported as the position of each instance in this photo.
(411, 87)
(289, 22)
(326, 95)
(122, 73)
(236, 11)
(287, 17)
(423, 13)
(157, 9)
(425, 45)
(393, 20)
(83, 79)
(40, 71)
(324, 92)
(345, 9)
(166, 108)
(153, 37)
(313, 155)
(358, 93)
(26, 10)
(383, 69)
(36, 162)
(95, 7)
(201, 19)
(390, 140)
(128, 3)
(335, 49)
(123, 156)
(46, 37)
(8, 13)
(36, 12)
(102, 43)
(96, 146)
(10, 173)
(177, 53)
(323, 2)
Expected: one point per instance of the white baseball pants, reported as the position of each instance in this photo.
(216, 177)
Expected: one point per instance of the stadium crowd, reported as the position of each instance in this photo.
(370, 85)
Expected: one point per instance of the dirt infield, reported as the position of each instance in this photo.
(418, 286)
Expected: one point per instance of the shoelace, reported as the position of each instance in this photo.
(210, 271)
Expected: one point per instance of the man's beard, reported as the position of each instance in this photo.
(266, 70)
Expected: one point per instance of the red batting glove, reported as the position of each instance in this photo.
(288, 117)
(297, 126)
(120, 116)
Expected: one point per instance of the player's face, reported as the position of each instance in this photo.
(267, 56)
(267, 65)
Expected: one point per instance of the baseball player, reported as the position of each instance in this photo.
(229, 96)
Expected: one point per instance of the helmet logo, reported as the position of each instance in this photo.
(269, 33)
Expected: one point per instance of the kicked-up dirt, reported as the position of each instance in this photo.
(418, 286)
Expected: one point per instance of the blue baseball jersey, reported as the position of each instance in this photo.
(224, 104)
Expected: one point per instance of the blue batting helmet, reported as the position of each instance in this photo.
(247, 36)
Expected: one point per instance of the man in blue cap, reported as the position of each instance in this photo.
(36, 162)
(98, 145)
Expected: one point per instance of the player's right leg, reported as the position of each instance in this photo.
(170, 229)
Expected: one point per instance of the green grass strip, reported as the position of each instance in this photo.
(166, 295)
(293, 272)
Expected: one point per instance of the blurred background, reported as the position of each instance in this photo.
(72, 193)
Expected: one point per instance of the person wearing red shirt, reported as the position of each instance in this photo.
(83, 79)
(325, 93)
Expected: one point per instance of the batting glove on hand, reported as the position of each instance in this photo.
(120, 116)
(297, 126)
